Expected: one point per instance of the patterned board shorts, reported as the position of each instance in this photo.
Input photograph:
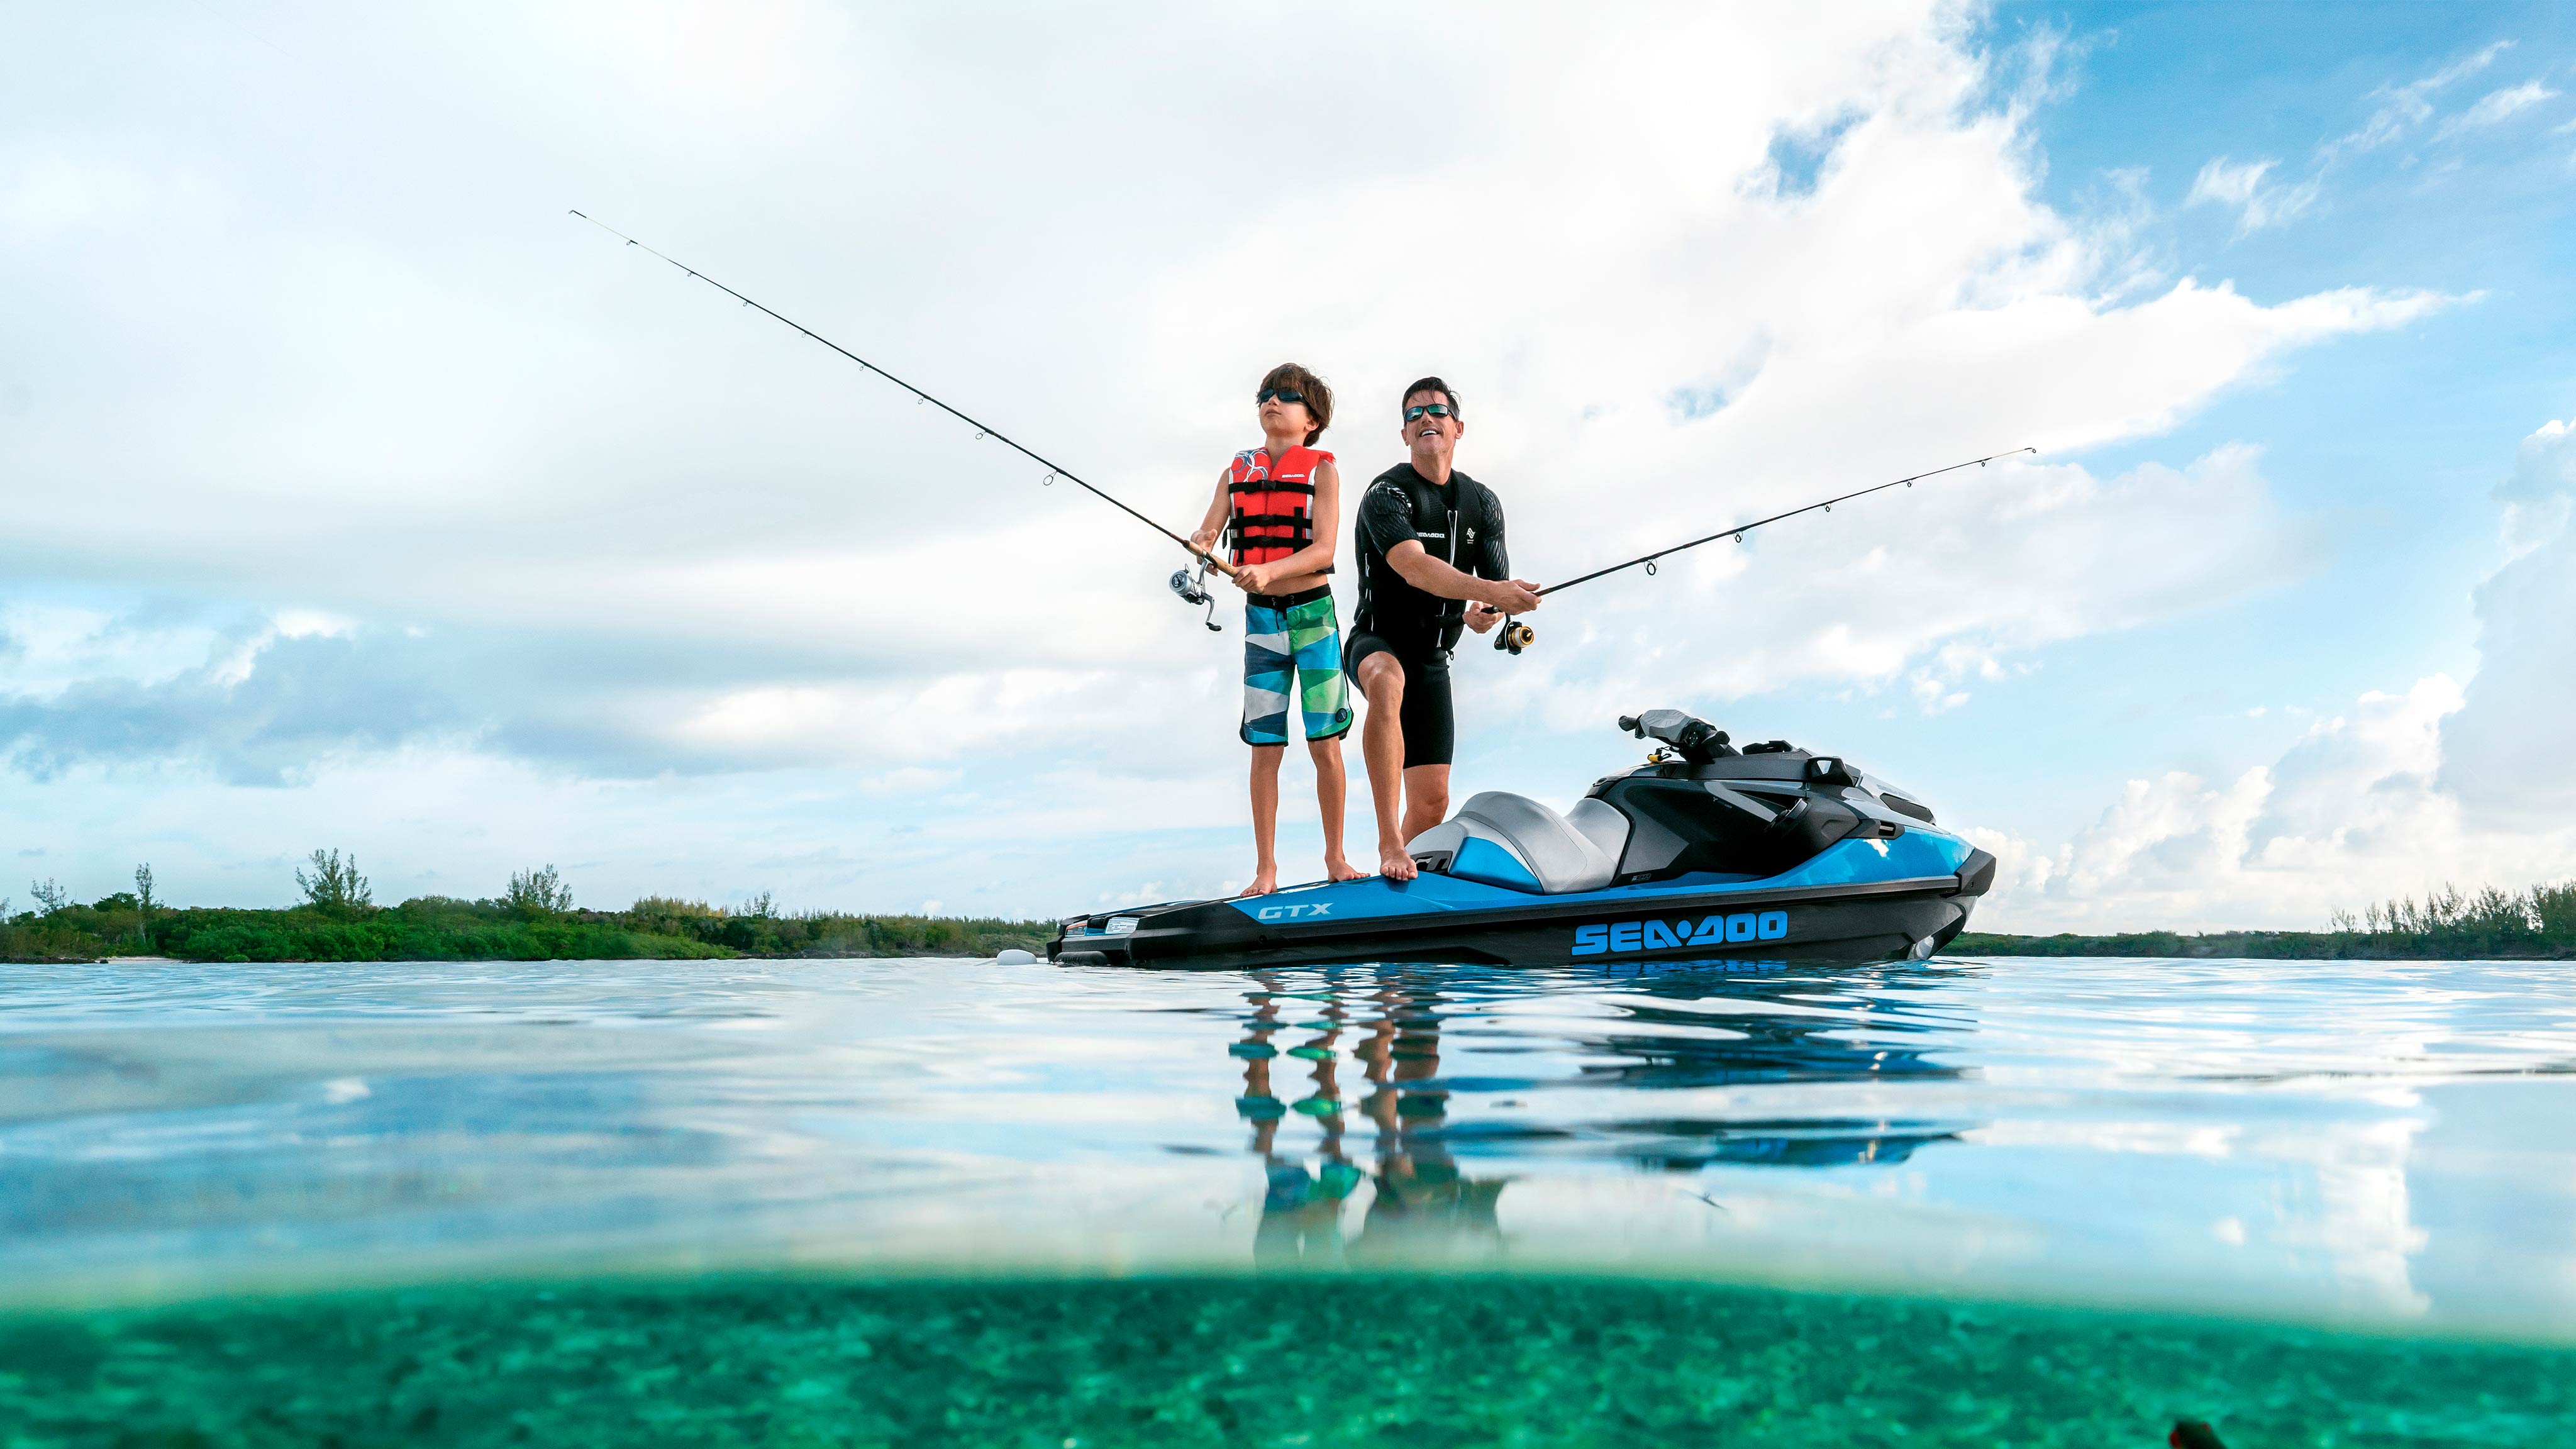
(1292, 645)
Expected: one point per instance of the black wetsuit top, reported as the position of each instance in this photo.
(1460, 524)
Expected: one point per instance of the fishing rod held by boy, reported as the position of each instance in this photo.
(1055, 470)
(1513, 637)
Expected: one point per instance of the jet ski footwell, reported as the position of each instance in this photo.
(1712, 854)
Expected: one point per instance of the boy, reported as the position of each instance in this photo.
(1278, 507)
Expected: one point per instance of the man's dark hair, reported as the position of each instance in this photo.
(1317, 392)
(1433, 384)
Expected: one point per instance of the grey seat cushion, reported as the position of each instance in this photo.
(1562, 856)
(1601, 824)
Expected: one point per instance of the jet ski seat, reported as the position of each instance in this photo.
(1513, 841)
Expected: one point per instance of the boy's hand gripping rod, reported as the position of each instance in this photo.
(1513, 637)
(1055, 470)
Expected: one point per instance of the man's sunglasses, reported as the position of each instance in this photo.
(1280, 394)
(1437, 410)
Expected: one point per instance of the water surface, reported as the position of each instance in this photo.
(2384, 1153)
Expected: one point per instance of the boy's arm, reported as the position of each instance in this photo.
(1212, 527)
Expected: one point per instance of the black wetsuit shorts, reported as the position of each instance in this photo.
(1430, 723)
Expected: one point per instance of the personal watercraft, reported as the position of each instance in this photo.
(1705, 852)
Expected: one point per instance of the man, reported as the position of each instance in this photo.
(1430, 550)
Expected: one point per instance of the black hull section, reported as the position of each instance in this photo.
(1867, 922)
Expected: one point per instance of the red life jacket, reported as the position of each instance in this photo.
(1274, 504)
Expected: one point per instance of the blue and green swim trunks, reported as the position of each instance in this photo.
(1292, 650)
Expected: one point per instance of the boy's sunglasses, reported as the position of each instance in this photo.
(1282, 394)
(1437, 410)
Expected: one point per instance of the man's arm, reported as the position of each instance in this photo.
(1431, 576)
(1494, 563)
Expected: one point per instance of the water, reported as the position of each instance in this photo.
(2025, 1201)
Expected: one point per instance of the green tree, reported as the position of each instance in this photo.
(50, 894)
(335, 888)
(538, 892)
(143, 898)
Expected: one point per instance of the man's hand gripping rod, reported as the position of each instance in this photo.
(1513, 637)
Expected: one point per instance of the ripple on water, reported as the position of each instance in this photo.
(2370, 1142)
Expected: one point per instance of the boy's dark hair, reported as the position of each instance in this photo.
(1433, 384)
(1317, 392)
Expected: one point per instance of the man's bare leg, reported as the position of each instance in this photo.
(1332, 787)
(1265, 818)
(1426, 797)
(1381, 682)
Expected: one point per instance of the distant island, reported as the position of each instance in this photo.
(534, 919)
(2538, 924)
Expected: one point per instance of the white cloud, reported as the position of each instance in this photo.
(2497, 106)
(2403, 108)
(422, 451)
(2505, 752)
(2239, 185)
(1945, 580)
(2396, 796)
(503, 486)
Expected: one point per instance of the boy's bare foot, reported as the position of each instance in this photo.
(1264, 881)
(1338, 868)
(1395, 862)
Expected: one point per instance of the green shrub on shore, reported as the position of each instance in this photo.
(2447, 925)
(532, 924)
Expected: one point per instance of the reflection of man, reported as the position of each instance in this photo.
(1430, 547)
(1422, 1203)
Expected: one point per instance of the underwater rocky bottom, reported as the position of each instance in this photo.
(1418, 1360)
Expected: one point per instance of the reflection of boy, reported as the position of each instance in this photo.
(1279, 508)
(1301, 1212)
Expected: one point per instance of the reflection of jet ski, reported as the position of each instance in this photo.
(1706, 852)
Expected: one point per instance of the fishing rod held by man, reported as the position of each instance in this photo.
(1513, 637)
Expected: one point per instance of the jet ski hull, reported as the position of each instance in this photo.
(1859, 901)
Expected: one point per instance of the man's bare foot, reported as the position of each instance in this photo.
(1395, 862)
(1338, 868)
(1264, 881)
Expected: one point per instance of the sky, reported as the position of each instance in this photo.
(356, 496)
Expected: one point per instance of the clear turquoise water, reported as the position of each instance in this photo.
(2011, 1201)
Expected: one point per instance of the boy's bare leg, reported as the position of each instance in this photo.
(1265, 818)
(1381, 681)
(1332, 786)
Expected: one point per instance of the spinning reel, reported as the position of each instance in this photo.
(1193, 591)
(1512, 636)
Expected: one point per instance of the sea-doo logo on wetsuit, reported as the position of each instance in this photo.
(1665, 935)
(1290, 913)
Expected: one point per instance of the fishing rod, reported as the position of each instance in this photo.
(1180, 581)
(1514, 637)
